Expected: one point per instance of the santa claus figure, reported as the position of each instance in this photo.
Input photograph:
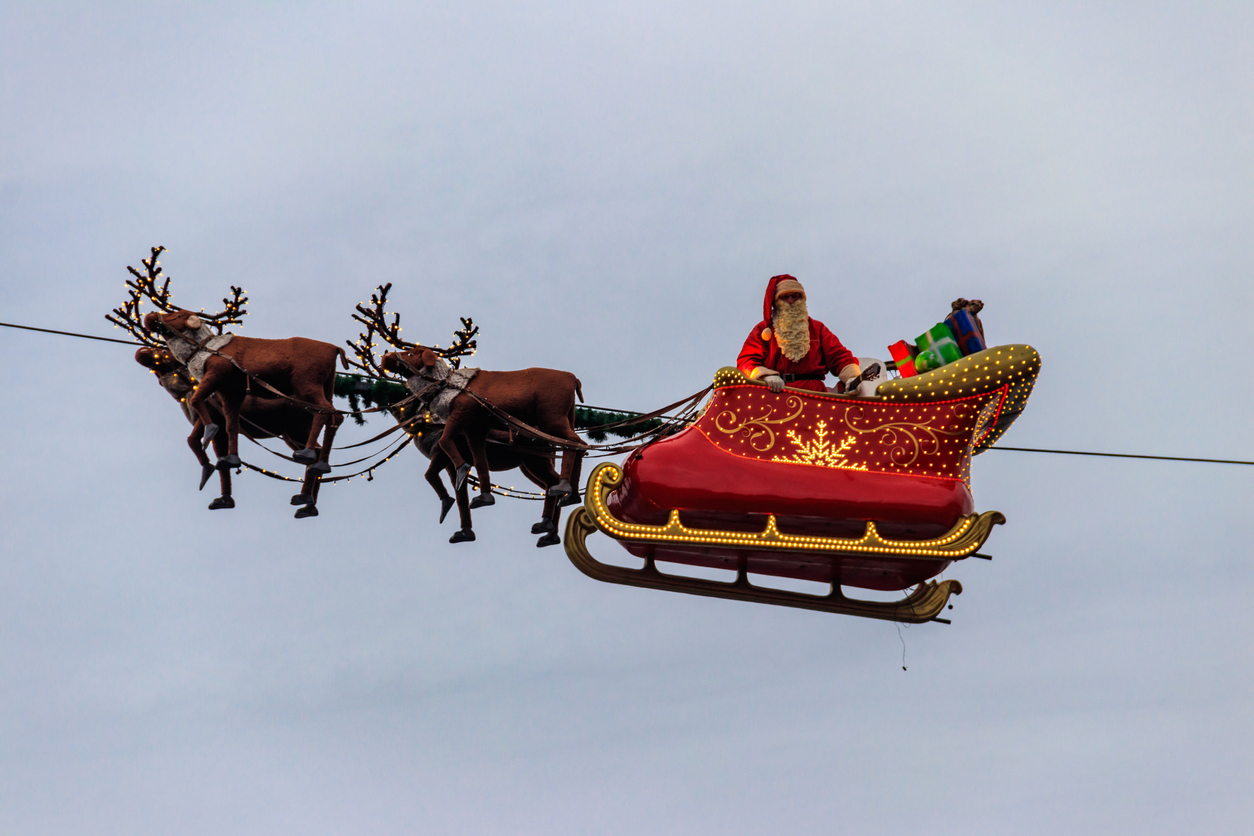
(789, 348)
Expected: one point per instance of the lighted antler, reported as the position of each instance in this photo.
(465, 345)
(232, 314)
(375, 318)
(143, 287)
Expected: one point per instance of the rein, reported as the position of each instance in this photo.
(620, 447)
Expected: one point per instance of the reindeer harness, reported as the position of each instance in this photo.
(194, 350)
(435, 388)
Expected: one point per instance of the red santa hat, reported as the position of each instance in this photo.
(778, 284)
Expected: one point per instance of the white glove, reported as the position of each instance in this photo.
(775, 382)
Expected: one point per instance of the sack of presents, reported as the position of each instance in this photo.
(959, 335)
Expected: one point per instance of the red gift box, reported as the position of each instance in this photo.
(903, 357)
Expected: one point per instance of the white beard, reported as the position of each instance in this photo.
(792, 329)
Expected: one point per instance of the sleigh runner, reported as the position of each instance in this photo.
(871, 493)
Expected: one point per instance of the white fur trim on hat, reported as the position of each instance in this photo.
(765, 335)
(789, 286)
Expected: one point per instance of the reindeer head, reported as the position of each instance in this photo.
(419, 361)
(176, 323)
(159, 360)
(171, 374)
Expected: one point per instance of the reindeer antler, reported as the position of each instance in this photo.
(232, 314)
(143, 287)
(465, 346)
(375, 318)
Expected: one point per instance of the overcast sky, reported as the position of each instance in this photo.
(606, 188)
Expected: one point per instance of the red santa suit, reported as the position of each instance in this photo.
(762, 350)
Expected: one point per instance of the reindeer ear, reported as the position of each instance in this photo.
(146, 357)
(428, 357)
(194, 323)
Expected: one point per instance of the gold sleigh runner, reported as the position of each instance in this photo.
(924, 604)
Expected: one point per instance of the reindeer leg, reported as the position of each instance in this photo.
(231, 459)
(307, 498)
(196, 403)
(466, 534)
(224, 478)
(479, 450)
(216, 381)
(453, 428)
(333, 421)
(545, 478)
(563, 489)
(573, 498)
(312, 455)
(193, 441)
(308, 490)
(439, 462)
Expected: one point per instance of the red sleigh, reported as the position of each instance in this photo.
(871, 493)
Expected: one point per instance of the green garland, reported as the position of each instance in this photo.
(591, 419)
(377, 392)
(371, 391)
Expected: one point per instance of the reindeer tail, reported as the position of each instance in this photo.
(343, 358)
(579, 390)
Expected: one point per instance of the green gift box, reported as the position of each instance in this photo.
(937, 347)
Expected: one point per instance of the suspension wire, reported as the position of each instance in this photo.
(1011, 449)
(1118, 455)
(70, 334)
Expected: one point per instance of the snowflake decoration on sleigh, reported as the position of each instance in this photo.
(820, 452)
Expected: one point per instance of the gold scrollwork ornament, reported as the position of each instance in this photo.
(759, 428)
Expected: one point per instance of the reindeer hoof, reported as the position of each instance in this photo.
(210, 431)
(302, 499)
(446, 505)
(306, 456)
(460, 476)
(320, 467)
(571, 498)
(550, 539)
(228, 462)
(465, 535)
(307, 511)
(206, 470)
(221, 502)
(483, 499)
(562, 488)
(544, 527)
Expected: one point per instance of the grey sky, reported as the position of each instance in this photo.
(606, 189)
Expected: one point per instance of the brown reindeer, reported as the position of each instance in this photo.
(503, 450)
(540, 398)
(298, 371)
(297, 368)
(260, 417)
